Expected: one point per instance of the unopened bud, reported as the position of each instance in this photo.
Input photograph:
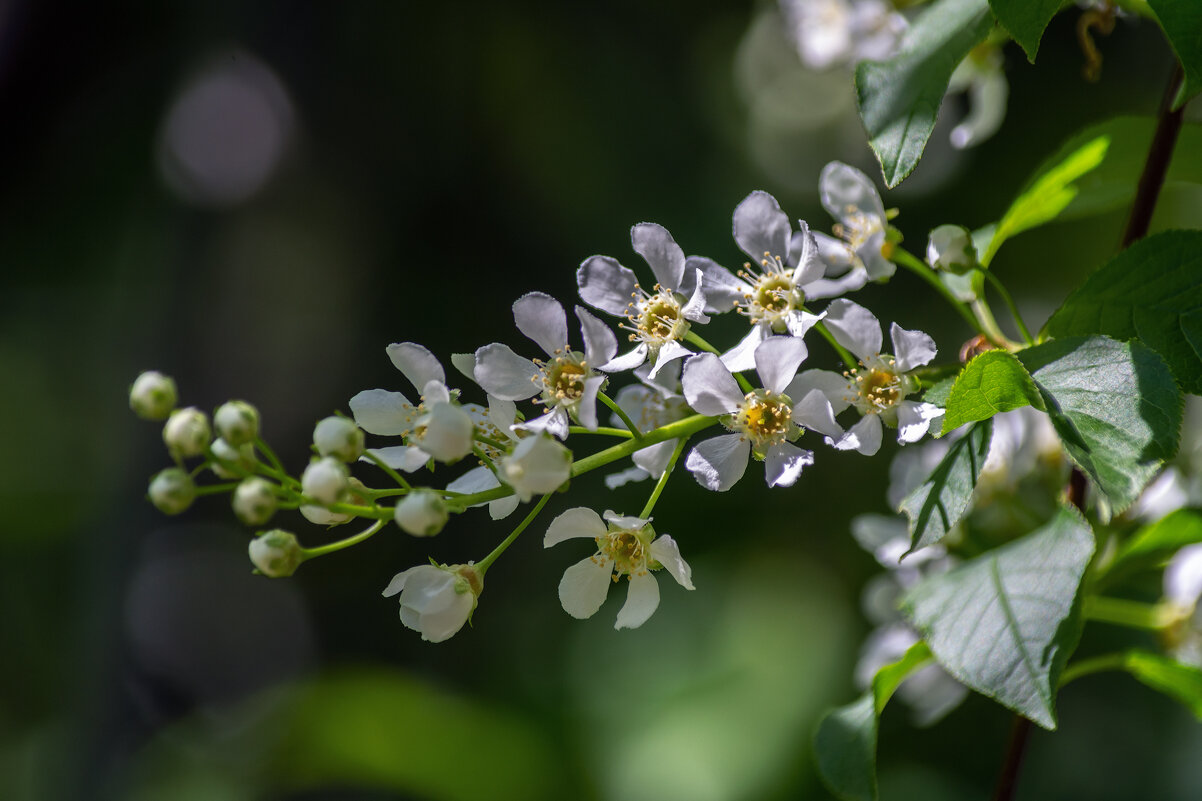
(951, 249)
(237, 422)
(152, 396)
(421, 513)
(325, 480)
(231, 462)
(340, 438)
(187, 432)
(172, 491)
(255, 501)
(276, 553)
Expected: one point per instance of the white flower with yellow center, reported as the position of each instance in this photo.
(772, 288)
(437, 427)
(566, 383)
(763, 423)
(861, 252)
(657, 320)
(626, 546)
(878, 387)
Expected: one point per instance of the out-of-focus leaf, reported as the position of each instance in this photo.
(1115, 406)
(992, 383)
(1170, 533)
(1180, 682)
(937, 504)
(899, 98)
(1005, 622)
(1182, 23)
(1025, 20)
(1151, 291)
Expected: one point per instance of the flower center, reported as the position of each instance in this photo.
(563, 379)
(857, 227)
(877, 386)
(773, 294)
(628, 548)
(655, 318)
(764, 418)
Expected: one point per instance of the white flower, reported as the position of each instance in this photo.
(982, 77)
(339, 438)
(861, 253)
(237, 422)
(421, 513)
(770, 291)
(567, 382)
(879, 386)
(326, 480)
(657, 320)
(152, 396)
(437, 601)
(762, 423)
(830, 33)
(187, 432)
(537, 465)
(653, 403)
(254, 501)
(1182, 589)
(276, 553)
(437, 428)
(626, 546)
(481, 479)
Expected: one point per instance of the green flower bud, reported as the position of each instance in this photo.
(172, 491)
(951, 249)
(255, 501)
(276, 553)
(340, 438)
(152, 396)
(237, 422)
(421, 513)
(187, 432)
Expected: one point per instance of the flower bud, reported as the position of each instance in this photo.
(421, 513)
(437, 600)
(340, 438)
(237, 422)
(276, 553)
(950, 249)
(152, 396)
(187, 432)
(446, 432)
(172, 491)
(321, 516)
(325, 480)
(538, 465)
(255, 501)
(231, 462)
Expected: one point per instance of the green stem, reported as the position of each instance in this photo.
(609, 432)
(1009, 301)
(393, 474)
(321, 550)
(375, 512)
(848, 358)
(923, 271)
(492, 443)
(616, 409)
(487, 561)
(708, 348)
(266, 450)
(214, 489)
(1133, 614)
(663, 479)
(1095, 664)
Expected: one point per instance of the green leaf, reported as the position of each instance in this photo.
(939, 391)
(937, 504)
(991, 383)
(899, 99)
(1005, 622)
(1182, 24)
(845, 741)
(1025, 20)
(1151, 291)
(1170, 533)
(1049, 195)
(1115, 406)
(1180, 682)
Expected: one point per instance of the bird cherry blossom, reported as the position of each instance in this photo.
(650, 404)
(830, 33)
(436, 600)
(861, 250)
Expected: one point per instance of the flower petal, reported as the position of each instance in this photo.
(502, 508)
(624, 477)
(540, 317)
(723, 291)
(642, 599)
(667, 352)
(600, 344)
(835, 254)
(694, 309)
(398, 582)
(447, 434)
(709, 387)
(465, 363)
(854, 327)
(478, 479)
(864, 436)
(586, 407)
(627, 361)
(584, 586)
(742, 356)
(503, 373)
(719, 463)
(605, 284)
(803, 249)
(654, 458)
(578, 522)
(400, 457)
(911, 348)
(853, 279)
(416, 363)
(1183, 577)
(501, 413)
(378, 411)
(815, 412)
(832, 385)
(442, 624)
(761, 227)
(800, 322)
(914, 418)
(777, 360)
(784, 462)
(553, 421)
(844, 190)
(656, 245)
(665, 551)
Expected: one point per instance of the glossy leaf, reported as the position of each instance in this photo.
(992, 383)
(899, 98)
(1005, 622)
(1182, 24)
(1151, 291)
(937, 504)
(939, 392)
(1025, 20)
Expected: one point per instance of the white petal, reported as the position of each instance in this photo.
(723, 291)
(834, 253)
(914, 418)
(800, 322)
(448, 433)
(864, 436)
(832, 385)
(852, 280)
(803, 251)
(501, 413)
(877, 533)
(742, 356)
(502, 508)
(465, 363)
(761, 227)
(854, 327)
(642, 599)
(435, 392)
(442, 624)
(784, 462)
(777, 360)
(378, 411)
(503, 373)
(709, 387)
(656, 245)
(911, 348)
(665, 551)
(694, 309)
(815, 412)
(600, 344)
(718, 463)
(988, 93)
(625, 521)
(667, 352)
(553, 421)
(586, 407)
(627, 361)
(845, 190)
(541, 317)
(624, 477)
(654, 458)
(605, 284)
(400, 457)
(584, 586)
(416, 363)
(578, 522)
(878, 267)
(478, 479)
(398, 582)
(1183, 576)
